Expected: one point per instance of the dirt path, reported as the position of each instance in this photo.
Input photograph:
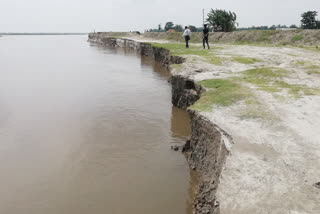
(275, 162)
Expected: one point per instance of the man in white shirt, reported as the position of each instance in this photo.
(186, 35)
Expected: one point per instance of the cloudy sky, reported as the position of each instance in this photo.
(125, 15)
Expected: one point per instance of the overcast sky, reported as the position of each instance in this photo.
(125, 15)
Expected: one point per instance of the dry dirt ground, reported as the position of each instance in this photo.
(274, 163)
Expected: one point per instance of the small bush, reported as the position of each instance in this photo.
(297, 38)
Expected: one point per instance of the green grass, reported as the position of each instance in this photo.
(301, 63)
(245, 60)
(267, 72)
(178, 49)
(225, 92)
(309, 68)
(220, 92)
(266, 34)
(256, 112)
(310, 48)
(214, 60)
(296, 38)
(297, 90)
(262, 77)
(269, 79)
(313, 67)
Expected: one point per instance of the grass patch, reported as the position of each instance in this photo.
(310, 48)
(269, 79)
(313, 67)
(296, 38)
(220, 92)
(214, 60)
(310, 72)
(266, 34)
(279, 98)
(256, 112)
(301, 63)
(245, 60)
(267, 72)
(297, 90)
(177, 49)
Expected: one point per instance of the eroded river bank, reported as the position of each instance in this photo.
(254, 142)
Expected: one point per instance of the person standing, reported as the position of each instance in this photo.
(205, 36)
(186, 35)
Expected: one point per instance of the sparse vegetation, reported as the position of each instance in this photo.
(256, 111)
(297, 38)
(180, 49)
(220, 92)
(245, 60)
(270, 80)
(266, 34)
(297, 90)
(301, 63)
(313, 67)
(310, 72)
(177, 49)
(215, 60)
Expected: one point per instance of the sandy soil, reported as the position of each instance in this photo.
(275, 160)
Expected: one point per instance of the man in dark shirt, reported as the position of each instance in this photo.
(206, 36)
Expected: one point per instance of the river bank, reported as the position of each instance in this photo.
(254, 119)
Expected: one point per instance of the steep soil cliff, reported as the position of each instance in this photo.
(208, 147)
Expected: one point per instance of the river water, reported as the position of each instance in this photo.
(86, 129)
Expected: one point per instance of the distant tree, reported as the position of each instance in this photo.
(168, 26)
(156, 30)
(178, 28)
(199, 29)
(159, 27)
(226, 21)
(273, 27)
(293, 26)
(192, 28)
(318, 24)
(308, 20)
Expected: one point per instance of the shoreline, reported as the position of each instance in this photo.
(255, 112)
(206, 137)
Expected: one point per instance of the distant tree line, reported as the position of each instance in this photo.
(308, 21)
(273, 27)
(225, 21)
(170, 26)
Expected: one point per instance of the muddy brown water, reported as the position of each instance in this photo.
(86, 129)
